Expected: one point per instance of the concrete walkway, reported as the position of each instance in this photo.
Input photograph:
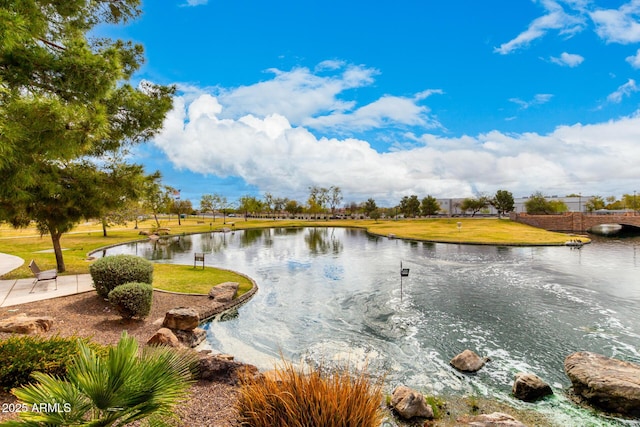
(21, 291)
(9, 263)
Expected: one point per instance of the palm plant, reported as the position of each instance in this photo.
(123, 387)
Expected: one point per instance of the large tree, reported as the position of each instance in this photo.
(369, 207)
(249, 205)
(537, 204)
(318, 198)
(65, 104)
(429, 206)
(503, 202)
(155, 196)
(410, 206)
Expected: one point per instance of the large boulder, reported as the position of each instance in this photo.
(191, 338)
(610, 384)
(495, 419)
(410, 403)
(468, 361)
(219, 368)
(23, 324)
(181, 318)
(530, 387)
(165, 336)
(224, 292)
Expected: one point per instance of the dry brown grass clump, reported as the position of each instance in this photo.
(291, 397)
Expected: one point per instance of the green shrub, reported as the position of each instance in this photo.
(132, 299)
(292, 397)
(20, 355)
(116, 270)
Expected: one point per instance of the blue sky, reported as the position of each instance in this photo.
(383, 99)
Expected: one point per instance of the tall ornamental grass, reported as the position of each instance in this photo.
(291, 397)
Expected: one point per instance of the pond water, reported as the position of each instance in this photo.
(330, 294)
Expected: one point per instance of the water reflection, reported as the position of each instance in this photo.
(249, 237)
(323, 241)
(327, 294)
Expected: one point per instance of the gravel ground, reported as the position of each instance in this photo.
(88, 315)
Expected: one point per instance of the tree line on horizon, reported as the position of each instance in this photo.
(69, 117)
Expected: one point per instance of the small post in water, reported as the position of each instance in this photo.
(404, 272)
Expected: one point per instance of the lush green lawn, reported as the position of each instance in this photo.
(28, 244)
(190, 280)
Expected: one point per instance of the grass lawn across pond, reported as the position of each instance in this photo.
(190, 280)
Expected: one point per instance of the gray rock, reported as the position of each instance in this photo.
(530, 387)
(224, 292)
(468, 361)
(410, 403)
(184, 319)
(191, 338)
(610, 384)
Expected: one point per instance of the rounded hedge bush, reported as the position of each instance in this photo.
(116, 270)
(132, 299)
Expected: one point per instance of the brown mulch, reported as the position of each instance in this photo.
(88, 315)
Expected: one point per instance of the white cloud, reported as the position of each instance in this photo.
(299, 93)
(427, 93)
(314, 100)
(568, 59)
(618, 25)
(634, 60)
(624, 90)
(271, 154)
(195, 2)
(555, 19)
(386, 110)
(538, 99)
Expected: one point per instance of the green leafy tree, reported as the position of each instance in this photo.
(595, 203)
(115, 390)
(429, 206)
(279, 203)
(249, 205)
(503, 202)
(213, 203)
(65, 106)
(206, 205)
(474, 204)
(181, 207)
(293, 207)
(630, 202)
(369, 207)
(537, 204)
(613, 203)
(318, 198)
(155, 196)
(558, 206)
(410, 206)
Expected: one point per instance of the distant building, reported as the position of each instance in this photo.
(452, 206)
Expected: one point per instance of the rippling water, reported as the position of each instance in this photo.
(330, 294)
